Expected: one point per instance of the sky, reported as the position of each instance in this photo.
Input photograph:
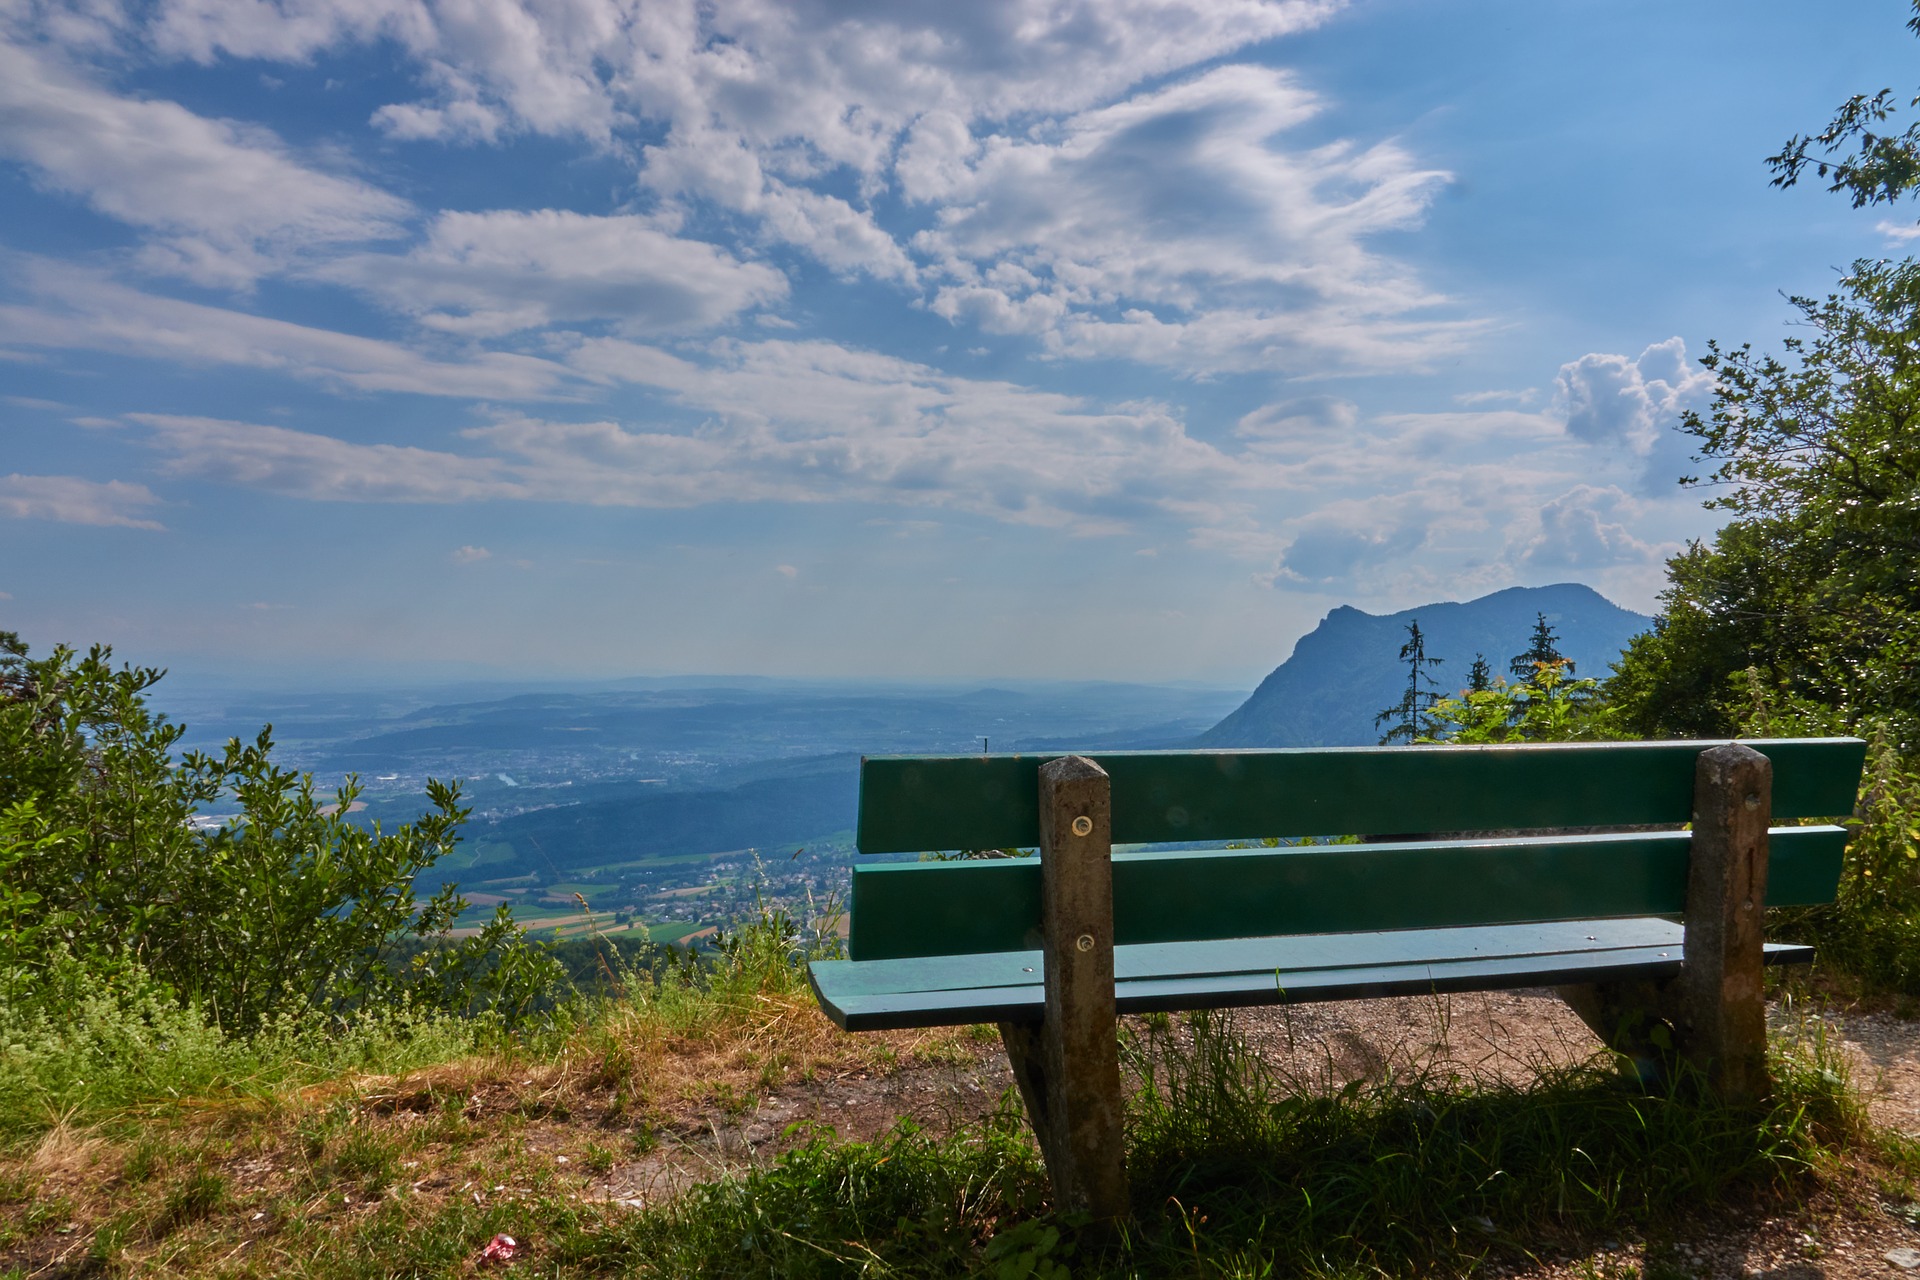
(1027, 339)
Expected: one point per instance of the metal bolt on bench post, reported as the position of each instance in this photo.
(1068, 1064)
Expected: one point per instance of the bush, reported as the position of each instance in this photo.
(285, 910)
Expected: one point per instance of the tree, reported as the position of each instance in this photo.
(1411, 712)
(1545, 705)
(1814, 584)
(1547, 708)
(284, 909)
(1542, 651)
(1883, 166)
(1802, 616)
(1815, 581)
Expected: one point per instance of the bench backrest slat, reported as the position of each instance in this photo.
(959, 908)
(911, 804)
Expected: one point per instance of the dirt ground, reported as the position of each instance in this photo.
(1508, 1034)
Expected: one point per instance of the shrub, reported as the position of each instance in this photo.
(287, 908)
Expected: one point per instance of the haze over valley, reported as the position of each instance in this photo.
(670, 803)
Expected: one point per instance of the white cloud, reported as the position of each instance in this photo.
(1417, 502)
(493, 273)
(75, 501)
(1091, 236)
(811, 421)
(753, 104)
(1585, 528)
(302, 464)
(707, 164)
(81, 309)
(224, 200)
(1473, 399)
(842, 80)
(470, 555)
(784, 422)
(1061, 193)
(1303, 418)
(1346, 540)
(1614, 399)
(786, 571)
(1634, 404)
(282, 30)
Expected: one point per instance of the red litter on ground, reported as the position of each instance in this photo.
(499, 1249)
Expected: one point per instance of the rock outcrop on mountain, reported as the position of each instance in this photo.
(1346, 669)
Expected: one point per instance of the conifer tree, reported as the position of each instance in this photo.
(1542, 651)
(1413, 710)
(1479, 675)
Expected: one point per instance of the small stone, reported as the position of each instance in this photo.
(1905, 1259)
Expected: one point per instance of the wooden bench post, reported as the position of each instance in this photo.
(1720, 998)
(1068, 1064)
(1716, 1005)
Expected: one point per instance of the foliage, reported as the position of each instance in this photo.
(1543, 704)
(1871, 931)
(1816, 580)
(284, 909)
(1411, 716)
(1546, 707)
(1883, 167)
(1543, 649)
(1803, 614)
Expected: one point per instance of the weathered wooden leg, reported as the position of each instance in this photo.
(1023, 1042)
(1633, 1018)
(1720, 1002)
(1068, 1065)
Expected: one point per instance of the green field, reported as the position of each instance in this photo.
(674, 930)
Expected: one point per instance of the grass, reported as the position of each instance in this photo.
(267, 1165)
(1230, 1180)
(1237, 1170)
(122, 1054)
(674, 930)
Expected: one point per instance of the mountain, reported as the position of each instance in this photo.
(1346, 669)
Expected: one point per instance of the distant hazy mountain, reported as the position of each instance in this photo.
(1346, 669)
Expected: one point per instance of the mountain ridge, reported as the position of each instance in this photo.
(1347, 668)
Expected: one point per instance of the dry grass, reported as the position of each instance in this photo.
(68, 1151)
(651, 1091)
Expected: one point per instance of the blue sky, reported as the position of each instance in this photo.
(1041, 338)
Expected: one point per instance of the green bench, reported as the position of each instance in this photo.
(1556, 865)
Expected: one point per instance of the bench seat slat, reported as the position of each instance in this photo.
(1295, 953)
(952, 990)
(979, 907)
(909, 804)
